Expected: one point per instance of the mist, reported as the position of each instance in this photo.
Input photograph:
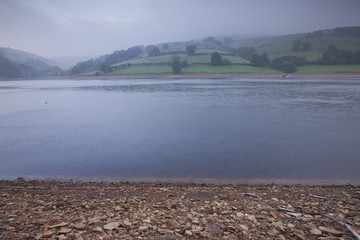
(53, 28)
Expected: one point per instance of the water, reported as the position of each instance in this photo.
(234, 130)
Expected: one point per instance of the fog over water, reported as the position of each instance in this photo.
(87, 27)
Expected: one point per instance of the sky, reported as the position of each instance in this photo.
(59, 28)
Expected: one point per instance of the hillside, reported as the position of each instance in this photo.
(287, 53)
(15, 63)
(283, 45)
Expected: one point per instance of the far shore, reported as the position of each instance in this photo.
(219, 76)
(198, 76)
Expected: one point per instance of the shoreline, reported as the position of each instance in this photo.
(90, 210)
(192, 180)
(197, 76)
(219, 76)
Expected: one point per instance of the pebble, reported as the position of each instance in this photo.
(66, 210)
(111, 226)
(315, 232)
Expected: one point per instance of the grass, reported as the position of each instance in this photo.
(329, 68)
(202, 68)
(144, 69)
(282, 45)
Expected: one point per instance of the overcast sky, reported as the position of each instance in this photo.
(54, 28)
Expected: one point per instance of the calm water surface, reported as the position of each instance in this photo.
(222, 130)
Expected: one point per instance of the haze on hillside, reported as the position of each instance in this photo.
(52, 28)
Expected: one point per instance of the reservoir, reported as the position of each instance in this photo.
(201, 130)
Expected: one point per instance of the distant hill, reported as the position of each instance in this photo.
(287, 53)
(15, 63)
(345, 38)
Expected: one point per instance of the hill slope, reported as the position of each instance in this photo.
(16, 63)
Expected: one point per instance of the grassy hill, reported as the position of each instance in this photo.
(141, 60)
(282, 45)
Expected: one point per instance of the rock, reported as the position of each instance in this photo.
(80, 226)
(251, 195)
(272, 233)
(63, 224)
(299, 236)
(195, 221)
(143, 228)
(147, 220)
(240, 215)
(243, 227)
(294, 214)
(290, 225)
(275, 199)
(62, 237)
(127, 223)
(188, 233)
(64, 230)
(98, 229)
(111, 226)
(212, 229)
(331, 230)
(48, 234)
(315, 232)
(250, 217)
(173, 224)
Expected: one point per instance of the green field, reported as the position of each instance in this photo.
(202, 68)
(190, 59)
(329, 69)
(282, 45)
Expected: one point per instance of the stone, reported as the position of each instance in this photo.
(98, 229)
(240, 215)
(62, 237)
(212, 229)
(315, 232)
(48, 234)
(80, 226)
(188, 233)
(250, 217)
(173, 224)
(64, 230)
(147, 220)
(63, 224)
(143, 228)
(290, 225)
(111, 226)
(331, 230)
(243, 227)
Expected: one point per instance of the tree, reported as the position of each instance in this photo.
(225, 62)
(246, 52)
(227, 41)
(287, 64)
(210, 40)
(176, 64)
(305, 46)
(216, 59)
(154, 52)
(149, 48)
(190, 50)
(260, 60)
(297, 45)
(104, 67)
(165, 46)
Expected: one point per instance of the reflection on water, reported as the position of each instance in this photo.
(200, 129)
